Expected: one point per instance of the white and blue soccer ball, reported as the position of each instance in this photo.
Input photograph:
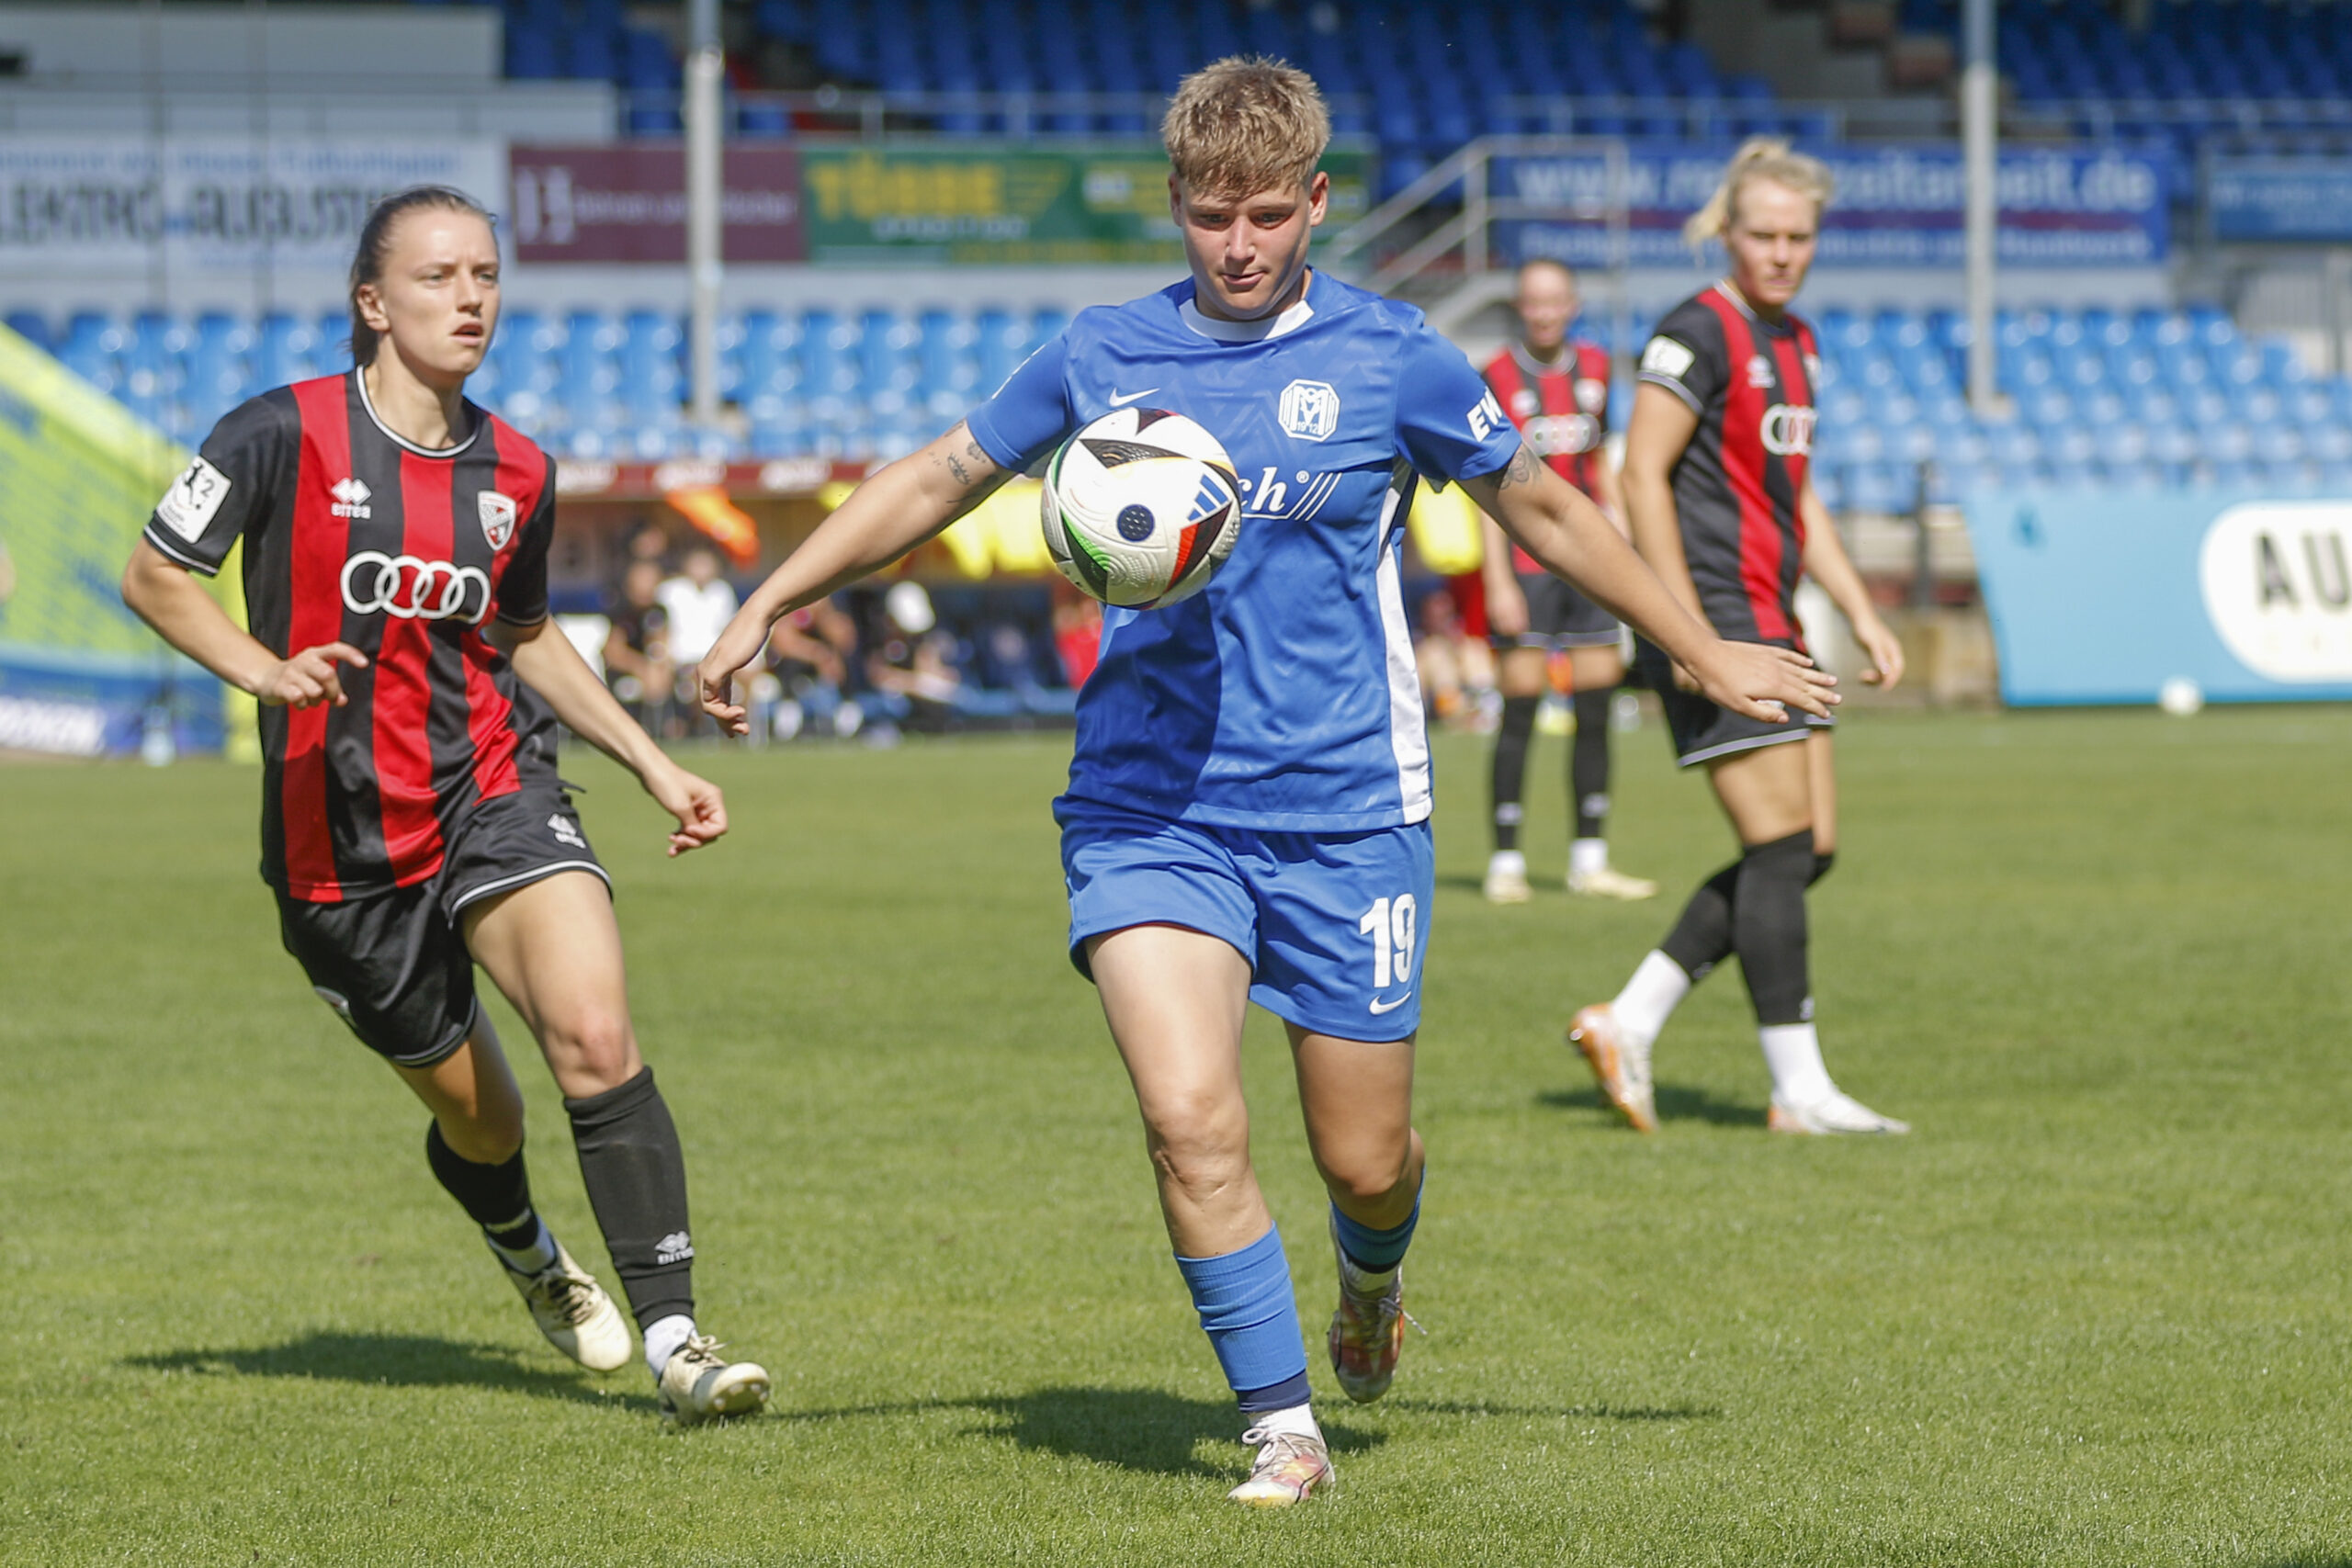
(1140, 508)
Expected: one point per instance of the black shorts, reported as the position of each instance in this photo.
(1702, 732)
(393, 964)
(1559, 616)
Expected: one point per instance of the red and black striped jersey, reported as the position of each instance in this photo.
(353, 535)
(1561, 409)
(1736, 487)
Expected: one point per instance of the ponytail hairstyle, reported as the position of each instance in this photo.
(375, 247)
(1759, 158)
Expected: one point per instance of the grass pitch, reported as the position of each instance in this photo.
(2094, 1312)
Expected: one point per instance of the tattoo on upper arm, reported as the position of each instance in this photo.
(955, 466)
(968, 465)
(1522, 469)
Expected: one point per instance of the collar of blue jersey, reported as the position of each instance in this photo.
(1281, 324)
(402, 442)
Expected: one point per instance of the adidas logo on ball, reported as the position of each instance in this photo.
(1140, 508)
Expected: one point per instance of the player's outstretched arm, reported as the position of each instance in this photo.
(162, 593)
(546, 662)
(1570, 537)
(1826, 562)
(895, 509)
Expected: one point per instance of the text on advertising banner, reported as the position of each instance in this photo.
(102, 206)
(2102, 597)
(1894, 207)
(627, 203)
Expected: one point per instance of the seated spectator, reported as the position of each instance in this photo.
(910, 670)
(699, 602)
(637, 651)
(809, 653)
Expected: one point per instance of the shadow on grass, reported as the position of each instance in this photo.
(1145, 1429)
(1673, 1105)
(393, 1361)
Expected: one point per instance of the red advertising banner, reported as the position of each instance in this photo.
(627, 203)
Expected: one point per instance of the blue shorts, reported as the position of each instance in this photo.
(1333, 924)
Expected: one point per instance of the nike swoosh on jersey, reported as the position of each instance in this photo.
(1379, 1007)
(1121, 399)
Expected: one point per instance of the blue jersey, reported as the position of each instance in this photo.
(1284, 696)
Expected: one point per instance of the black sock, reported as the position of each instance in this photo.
(1510, 767)
(635, 1177)
(1822, 862)
(1589, 763)
(495, 1197)
(1768, 926)
(1701, 937)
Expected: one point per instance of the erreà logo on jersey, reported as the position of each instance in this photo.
(497, 517)
(1309, 410)
(1788, 429)
(350, 498)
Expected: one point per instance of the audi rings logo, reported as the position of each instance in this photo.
(1788, 429)
(415, 590)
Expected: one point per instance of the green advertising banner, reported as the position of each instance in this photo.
(79, 673)
(970, 206)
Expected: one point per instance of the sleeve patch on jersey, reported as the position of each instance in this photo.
(1664, 356)
(195, 498)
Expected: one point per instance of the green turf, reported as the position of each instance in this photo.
(2094, 1312)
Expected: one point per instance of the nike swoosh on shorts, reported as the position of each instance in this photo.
(1379, 1007)
(1121, 399)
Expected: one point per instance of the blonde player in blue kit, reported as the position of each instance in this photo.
(1247, 811)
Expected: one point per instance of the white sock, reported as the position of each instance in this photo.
(1507, 860)
(1362, 1282)
(1650, 997)
(1793, 1052)
(1298, 1420)
(1586, 856)
(532, 1256)
(663, 1337)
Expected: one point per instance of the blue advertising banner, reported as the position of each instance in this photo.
(2281, 198)
(2101, 597)
(1895, 206)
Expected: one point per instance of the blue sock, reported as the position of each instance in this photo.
(1375, 1252)
(1245, 1301)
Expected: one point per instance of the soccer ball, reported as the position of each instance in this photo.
(1140, 507)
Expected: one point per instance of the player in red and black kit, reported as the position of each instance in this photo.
(1556, 389)
(395, 543)
(1722, 507)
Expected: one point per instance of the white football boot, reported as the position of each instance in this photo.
(574, 1313)
(1836, 1112)
(1289, 1465)
(1608, 882)
(1507, 878)
(699, 1384)
(1621, 1064)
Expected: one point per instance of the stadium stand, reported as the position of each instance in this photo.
(2142, 399)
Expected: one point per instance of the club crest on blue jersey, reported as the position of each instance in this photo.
(1310, 410)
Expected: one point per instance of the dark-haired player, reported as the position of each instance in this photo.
(395, 571)
(1556, 389)
(1723, 506)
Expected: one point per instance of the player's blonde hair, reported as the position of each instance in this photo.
(1246, 124)
(1759, 158)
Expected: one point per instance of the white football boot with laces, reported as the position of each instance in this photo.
(1836, 1112)
(574, 1313)
(699, 1384)
(1289, 1465)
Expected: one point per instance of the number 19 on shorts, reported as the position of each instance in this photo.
(1390, 925)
